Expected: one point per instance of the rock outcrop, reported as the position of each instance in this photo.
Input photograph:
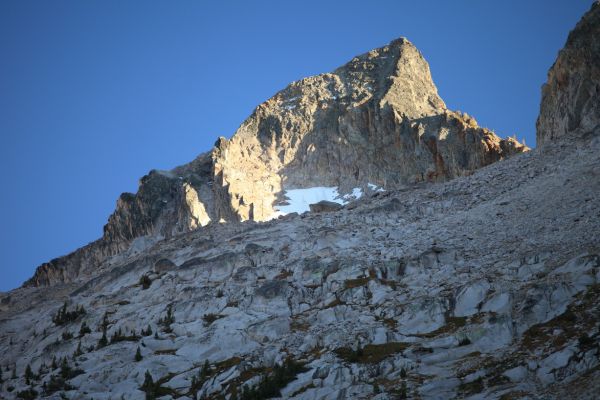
(571, 97)
(375, 122)
(377, 119)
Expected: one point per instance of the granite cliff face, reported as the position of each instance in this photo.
(571, 97)
(375, 122)
(377, 119)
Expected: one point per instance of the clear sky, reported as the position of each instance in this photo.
(94, 94)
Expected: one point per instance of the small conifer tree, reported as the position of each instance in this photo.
(28, 374)
(84, 329)
(138, 355)
(103, 342)
(78, 351)
(148, 385)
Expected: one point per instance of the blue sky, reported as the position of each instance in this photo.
(94, 94)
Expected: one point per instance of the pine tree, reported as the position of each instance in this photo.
(1, 376)
(53, 365)
(14, 373)
(103, 342)
(28, 374)
(78, 351)
(138, 355)
(148, 385)
(205, 372)
(84, 329)
(64, 368)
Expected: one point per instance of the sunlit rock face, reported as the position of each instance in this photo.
(376, 121)
(571, 97)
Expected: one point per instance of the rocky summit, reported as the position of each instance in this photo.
(376, 122)
(354, 239)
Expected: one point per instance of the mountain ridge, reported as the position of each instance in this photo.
(377, 120)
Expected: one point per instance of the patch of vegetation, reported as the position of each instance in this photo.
(471, 388)
(303, 389)
(371, 353)
(138, 355)
(78, 351)
(270, 384)
(464, 341)
(29, 394)
(198, 380)
(232, 303)
(210, 318)
(452, 325)
(514, 395)
(167, 320)
(358, 282)
(28, 375)
(63, 316)
(84, 329)
(103, 341)
(147, 331)
(155, 390)
(284, 274)
(334, 303)
(59, 382)
(299, 325)
(585, 342)
(145, 282)
(389, 322)
(66, 335)
(118, 336)
(401, 392)
(579, 317)
(169, 352)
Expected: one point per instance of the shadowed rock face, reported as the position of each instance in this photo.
(571, 97)
(376, 120)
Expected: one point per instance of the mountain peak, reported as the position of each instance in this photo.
(375, 123)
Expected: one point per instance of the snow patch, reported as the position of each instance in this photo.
(299, 200)
(375, 188)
